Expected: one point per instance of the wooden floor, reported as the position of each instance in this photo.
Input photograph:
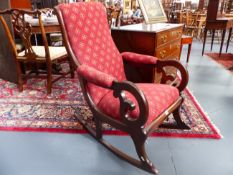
(73, 154)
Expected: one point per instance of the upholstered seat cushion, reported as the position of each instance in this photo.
(159, 98)
(55, 52)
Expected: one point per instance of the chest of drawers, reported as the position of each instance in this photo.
(161, 40)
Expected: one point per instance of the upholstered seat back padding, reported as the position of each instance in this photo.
(90, 38)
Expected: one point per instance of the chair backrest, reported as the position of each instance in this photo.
(23, 29)
(113, 13)
(90, 40)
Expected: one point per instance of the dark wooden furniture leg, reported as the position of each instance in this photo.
(205, 34)
(189, 51)
(49, 79)
(223, 36)
(212, 39)
(180, 123)
(229, 38)
(181, 47)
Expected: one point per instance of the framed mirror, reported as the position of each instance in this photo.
(152, 11)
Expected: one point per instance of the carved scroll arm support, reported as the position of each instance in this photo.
(91, 75)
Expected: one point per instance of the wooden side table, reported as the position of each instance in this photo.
(186, 40)
(218, 24)
(214, 22)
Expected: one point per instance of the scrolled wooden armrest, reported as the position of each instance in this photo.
(183, 72)
(126, 105)
(104, 80)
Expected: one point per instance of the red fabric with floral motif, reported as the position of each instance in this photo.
(94, 76)
(90, 38)
(159, 98)
(138, 58)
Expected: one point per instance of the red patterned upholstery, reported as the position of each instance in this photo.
(138, 58)
(159, 98)
(100, 63)
(94, 76)
(91, 41)
(92, 44)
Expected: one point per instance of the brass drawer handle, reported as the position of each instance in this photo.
(162, 53)
(164, 38)
(178, 33)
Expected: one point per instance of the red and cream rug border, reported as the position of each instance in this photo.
(216, 134)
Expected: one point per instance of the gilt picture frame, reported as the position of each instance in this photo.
(152, 11)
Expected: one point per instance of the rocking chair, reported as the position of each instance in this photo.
(137, 109)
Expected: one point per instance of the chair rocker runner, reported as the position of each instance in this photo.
(33, 56)
(135, 108)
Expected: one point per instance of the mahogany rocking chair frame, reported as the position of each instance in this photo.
(134, 127)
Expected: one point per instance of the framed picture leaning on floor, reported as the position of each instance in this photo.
(152, 11)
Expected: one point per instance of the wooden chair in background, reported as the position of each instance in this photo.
(113, 16)
(201, 21)
(33, 56)
(191, 24)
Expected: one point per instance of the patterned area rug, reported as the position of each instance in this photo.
(34, 110)
(226, 60)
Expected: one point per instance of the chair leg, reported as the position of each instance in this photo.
(20, 83)
(98, 125)
(49, 79)
(180, 123)
(139, 142)
(139, 139)
(71, 68)
(19, 76)
(37, 69)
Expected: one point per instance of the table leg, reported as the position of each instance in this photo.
(229, 38)
(181, 46)
(212, 39)
(205, 33)
(189, 51)
(223, 36)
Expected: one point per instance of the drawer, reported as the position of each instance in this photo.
(176, 34)
(163, 52)
(162, 38)
(168, 49)
(174, 56)
(166, 37)
(175, 46)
